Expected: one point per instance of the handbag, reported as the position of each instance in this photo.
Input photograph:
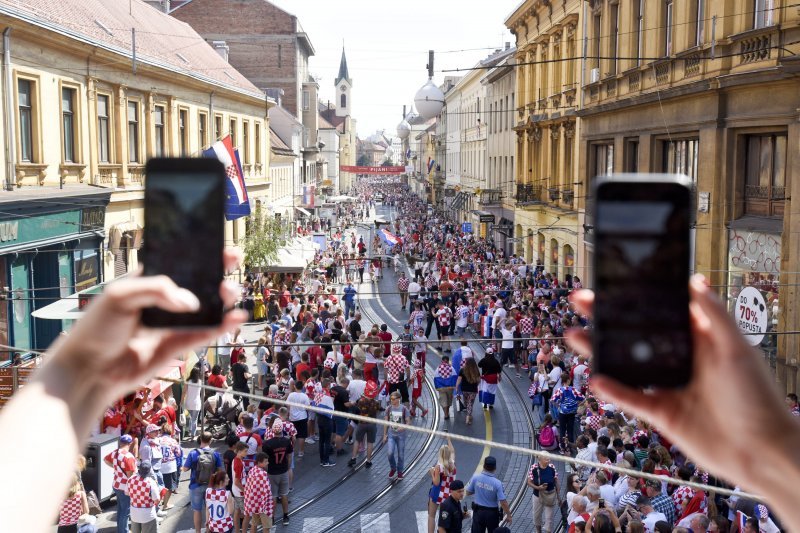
(94, 503)
(548, 498)
(537, 400)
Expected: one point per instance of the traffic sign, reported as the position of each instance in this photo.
(466, 227)
(751, 315)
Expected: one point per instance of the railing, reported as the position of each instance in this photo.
(662, 73)
(594, 93)
(136, 174)
(490, 197)
(634, 82)
(107, 173)
(691, 66)
(611, 88)
(553, 193)
(567, 197)
(541, 103)
(528, 193)
(754, 49)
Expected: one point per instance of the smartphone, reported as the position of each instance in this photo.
(184, 202)
(642, 256)
(601, 503)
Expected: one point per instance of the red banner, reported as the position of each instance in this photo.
(372, 170)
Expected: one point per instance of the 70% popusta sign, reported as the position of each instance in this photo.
(751, 315)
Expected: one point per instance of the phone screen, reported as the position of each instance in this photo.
(184, 234)
(642, 256)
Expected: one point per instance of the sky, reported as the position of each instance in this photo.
(387, 47)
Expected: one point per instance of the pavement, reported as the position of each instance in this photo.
(350, 500)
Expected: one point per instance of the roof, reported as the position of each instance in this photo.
(343, 74)
(162, 41)
(277, 145)
(324, 124)
(328, 111)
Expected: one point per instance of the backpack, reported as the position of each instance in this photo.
(568, 404)
(205, 466)
(547, 437)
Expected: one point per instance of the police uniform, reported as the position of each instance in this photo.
(450, 515)
(488, 493)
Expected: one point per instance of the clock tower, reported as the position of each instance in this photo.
(343, 86)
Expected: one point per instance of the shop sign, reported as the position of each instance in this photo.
(6, 385)
(32, 229)
(24, 374)
(751, 315)
(486, 218)
(373, 170)
(86, 272)
(93, 218)
(466, 227)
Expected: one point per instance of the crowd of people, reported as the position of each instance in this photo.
(490, 311)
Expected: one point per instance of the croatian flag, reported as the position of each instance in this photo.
(431, 162)
(741, 519)
(390, 238)
(237, 203)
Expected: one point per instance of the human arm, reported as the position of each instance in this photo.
(106, 354)
(84, 503)
(731, 394)
(506, 510)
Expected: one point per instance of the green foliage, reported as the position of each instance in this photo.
(363, 160)
(264, 235)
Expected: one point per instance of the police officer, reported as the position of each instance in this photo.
(489, 497)
(450, 514)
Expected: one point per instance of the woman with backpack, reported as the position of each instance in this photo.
(548, 434)
(566, 400)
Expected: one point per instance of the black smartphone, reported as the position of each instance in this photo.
(601, 503)
(642, 256)
(184, 232)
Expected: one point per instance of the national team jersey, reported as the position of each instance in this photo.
(122, 462)
(218, 519)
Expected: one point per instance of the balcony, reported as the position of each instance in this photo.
(568, 198)
(553, 193)
(136, 175)
(108, 174)
(490, 197)
(663, 71)
(527, 194)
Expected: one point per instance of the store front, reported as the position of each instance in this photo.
(45, 255)
(754, 263)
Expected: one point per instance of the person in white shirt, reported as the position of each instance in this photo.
(649, 515)
(606, 491)
(356, 386)
(555, 374)
(224, 346)
(499, 316)
(298, 415)
(579, 374)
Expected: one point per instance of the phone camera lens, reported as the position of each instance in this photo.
(642, 352)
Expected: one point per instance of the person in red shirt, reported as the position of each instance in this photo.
(386, 337)
(302, 366)
(315, 356)
(216, 379)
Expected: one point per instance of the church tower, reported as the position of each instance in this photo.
(343, 86)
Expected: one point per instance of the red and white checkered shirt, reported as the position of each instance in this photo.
(444, 315)
(122, 461)
(258, 494)
(395, 366)
(70, 511)
(444, 484)
(289, 431)
(526, 326)
(218, 519)
(403, 283)
(593, 421)
(140, 490)
(681, 498)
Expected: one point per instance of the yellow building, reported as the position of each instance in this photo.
(549, 37)
(83, 109)
(708, 88)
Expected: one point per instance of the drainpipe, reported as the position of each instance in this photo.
(8, 113)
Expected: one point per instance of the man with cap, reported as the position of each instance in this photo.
(150, 451)
(451, 514)
(660, 501)
(366, 406)
(124, 464)
(489, 496)
(145, 496)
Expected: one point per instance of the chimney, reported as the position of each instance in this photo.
(222, 49)
(275, 94)
(508, 45)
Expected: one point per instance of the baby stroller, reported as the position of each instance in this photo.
(222, 415)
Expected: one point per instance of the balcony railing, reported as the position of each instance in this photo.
(136, 174)
(553, 194)
(489, 197)
(528, 193)
(567, 197)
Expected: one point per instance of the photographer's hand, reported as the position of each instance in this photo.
(731, 394)
(107, 354)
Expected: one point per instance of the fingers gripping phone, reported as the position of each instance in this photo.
(641, 267)
(184, 233)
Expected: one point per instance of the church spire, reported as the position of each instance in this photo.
(343, 74)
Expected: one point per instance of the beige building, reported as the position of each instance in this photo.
(82, 116)
(549, 35)
(708, 89)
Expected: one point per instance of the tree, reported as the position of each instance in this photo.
(363, 160)
(263, 237)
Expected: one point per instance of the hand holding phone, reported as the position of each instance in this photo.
(642, 242)
(184, 235)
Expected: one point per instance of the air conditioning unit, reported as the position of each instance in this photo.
(594, 75)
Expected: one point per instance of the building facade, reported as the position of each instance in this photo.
(285, 166)
(84, 120)
(548, 72)
(708, 89)
(497, 194)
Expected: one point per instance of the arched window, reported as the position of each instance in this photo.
(343, 102)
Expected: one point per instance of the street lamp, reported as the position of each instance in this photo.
(429, 99)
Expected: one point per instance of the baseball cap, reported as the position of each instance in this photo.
(151, 428)
(407, 326)
(761, 511)
(490, 462)
(125, 439)
(456, 484)
(653, 483)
